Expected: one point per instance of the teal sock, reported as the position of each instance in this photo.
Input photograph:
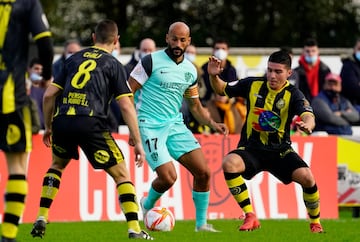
(151, 199)
(201, 201)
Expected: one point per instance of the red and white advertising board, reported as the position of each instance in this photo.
(89, 195)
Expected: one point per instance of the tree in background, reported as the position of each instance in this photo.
(72, 19)
(256, 23)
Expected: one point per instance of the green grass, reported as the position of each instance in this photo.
(343, 229)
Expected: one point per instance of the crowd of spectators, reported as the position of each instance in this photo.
(337, 112)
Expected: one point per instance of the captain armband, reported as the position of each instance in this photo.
(192, 92)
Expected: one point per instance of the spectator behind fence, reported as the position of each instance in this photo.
(311, 70)
(117, 50)
(293, 78)
(71, 46)
(350, 75)
(228, 111)
(35, 117)
(228, 74)
(334, 113)
(37, 86)
(220, 51)
(146, 47)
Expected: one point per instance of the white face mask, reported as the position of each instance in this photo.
(142, 54)
(68, 55)
(115, 53)
(311, 59)
(190, 57)
(220, 54)
(35, 77)
(357, 55)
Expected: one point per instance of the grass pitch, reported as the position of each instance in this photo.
(343, 229)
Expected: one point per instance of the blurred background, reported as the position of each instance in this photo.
(256, 23)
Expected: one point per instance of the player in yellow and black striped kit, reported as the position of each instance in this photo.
(18, 18)
(89, 80)
(265, 142)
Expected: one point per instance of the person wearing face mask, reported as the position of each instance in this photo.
(228, 74)
(350, 75)
(32, 82)
(334, 113)
(117, 50)
(146, 47)
(71, 46)
(311, 70)
(37, 86)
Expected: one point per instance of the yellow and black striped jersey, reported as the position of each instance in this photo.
(18, 18)
(89, 80)
(269, 112)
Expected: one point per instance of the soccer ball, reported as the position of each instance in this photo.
(159, 219)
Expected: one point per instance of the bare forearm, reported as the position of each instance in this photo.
(217, 84)
(48, 110)
(309, 120)
(200, 113)
(202, 116)
(214, 69)
(129, 114)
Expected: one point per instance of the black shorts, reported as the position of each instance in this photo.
(15, 131)
(91, 134)
(280, 164)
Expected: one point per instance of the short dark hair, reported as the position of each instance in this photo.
(221, 40)
(71, 41)
(310, 42)
(34, 61)
(281, 57)
(105, 31)
(287, 49)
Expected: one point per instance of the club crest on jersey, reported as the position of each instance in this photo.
(155, 156)
(189, 77)
(280, 104)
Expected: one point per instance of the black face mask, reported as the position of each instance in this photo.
(332, 94)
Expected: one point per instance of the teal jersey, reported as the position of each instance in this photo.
(164, 83)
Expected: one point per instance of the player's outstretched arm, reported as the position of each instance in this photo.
(214, 69)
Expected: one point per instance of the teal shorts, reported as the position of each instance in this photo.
(163, 144)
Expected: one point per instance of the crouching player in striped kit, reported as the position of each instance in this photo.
(265, 142)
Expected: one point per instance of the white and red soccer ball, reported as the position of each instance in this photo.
(159, 219)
